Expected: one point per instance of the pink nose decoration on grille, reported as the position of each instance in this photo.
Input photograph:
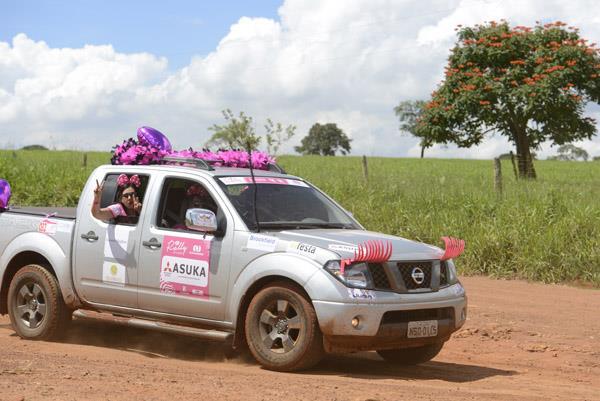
(454, 247)
(370, 252)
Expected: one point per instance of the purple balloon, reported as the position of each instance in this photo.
(4, 194)
(154, 137)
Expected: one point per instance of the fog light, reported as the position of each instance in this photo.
(355, 322)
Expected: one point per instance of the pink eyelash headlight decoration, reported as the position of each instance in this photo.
(370, 252)
(454, 248)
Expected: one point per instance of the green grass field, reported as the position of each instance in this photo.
(546, 230)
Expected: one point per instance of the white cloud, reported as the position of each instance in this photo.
(322, 61)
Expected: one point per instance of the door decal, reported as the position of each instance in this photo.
(184, 266)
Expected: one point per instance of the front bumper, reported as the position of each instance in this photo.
(383, 320)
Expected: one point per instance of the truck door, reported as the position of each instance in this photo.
(105, 264)
(184, 272)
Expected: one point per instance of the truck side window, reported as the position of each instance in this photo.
(112, 197)
(179, 195)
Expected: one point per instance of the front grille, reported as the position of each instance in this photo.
(380, 278)
(410, 272)
(443, 273)
(404, 316)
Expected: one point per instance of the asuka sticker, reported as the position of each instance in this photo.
(184, 267)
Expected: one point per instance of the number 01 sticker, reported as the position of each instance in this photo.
(184, 267)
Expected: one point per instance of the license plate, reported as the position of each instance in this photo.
(425, 328)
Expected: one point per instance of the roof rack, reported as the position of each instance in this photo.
(276, 168)
(186, 161)
(206, 164)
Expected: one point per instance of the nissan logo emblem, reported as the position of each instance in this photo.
(418, 275)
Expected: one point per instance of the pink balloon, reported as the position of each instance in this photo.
(4, 194)
(153, 137)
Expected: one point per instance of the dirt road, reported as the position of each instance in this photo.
(522, 342)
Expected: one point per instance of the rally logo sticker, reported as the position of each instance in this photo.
(310, 251)
(114, 273)
(359, 293)
(262, 242)
(184, 267)
(47, 226)
(343, 248)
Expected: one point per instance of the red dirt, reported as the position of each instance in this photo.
(522, 341)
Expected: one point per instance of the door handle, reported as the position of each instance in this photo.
(152, 244)
(90, 236)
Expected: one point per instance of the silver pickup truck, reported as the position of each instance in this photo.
(268, 261)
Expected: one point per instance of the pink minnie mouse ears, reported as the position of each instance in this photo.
(195, 190)
(134, 180)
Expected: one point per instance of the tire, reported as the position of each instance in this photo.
(35, 304)
(282, 330)
(411, 356)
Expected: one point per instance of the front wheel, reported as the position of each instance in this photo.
(411, 356)
(35, 304)
(282, 330)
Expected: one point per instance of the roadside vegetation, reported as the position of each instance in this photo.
(546, 230)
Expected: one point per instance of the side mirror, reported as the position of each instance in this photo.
(202, 220)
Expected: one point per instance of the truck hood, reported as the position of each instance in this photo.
(342, 243)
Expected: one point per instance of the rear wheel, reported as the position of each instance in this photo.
(35, 304)
(411, 356)
(282, 330)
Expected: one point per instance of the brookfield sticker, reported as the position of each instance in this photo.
(184, 267)
(262, 242)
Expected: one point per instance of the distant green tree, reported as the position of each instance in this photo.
(34, 147)
(277, 134)
(239, 133)
(596, 158)
(528, 84)
(570, 152)
(409, 112)
(325, 140)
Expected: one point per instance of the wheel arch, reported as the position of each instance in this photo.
(36, 248)
(17, 262)
(239, 335)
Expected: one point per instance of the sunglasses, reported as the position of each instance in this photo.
(130, 195)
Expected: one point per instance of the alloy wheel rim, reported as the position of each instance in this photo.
(280, 327)
(31, 307)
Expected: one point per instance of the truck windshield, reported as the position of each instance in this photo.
(283, 203)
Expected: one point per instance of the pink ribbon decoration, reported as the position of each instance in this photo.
(370, 252)
(454, 248)
(134, 180)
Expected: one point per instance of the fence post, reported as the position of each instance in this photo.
(365, 168)
(498, 176)
(85, 160)
(512, 159)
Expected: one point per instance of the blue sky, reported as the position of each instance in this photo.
(176, 30)
(86, 74)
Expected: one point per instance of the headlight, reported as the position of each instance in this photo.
(356, 275)
(452, 276)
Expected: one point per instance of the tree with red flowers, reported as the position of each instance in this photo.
(529, 84)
